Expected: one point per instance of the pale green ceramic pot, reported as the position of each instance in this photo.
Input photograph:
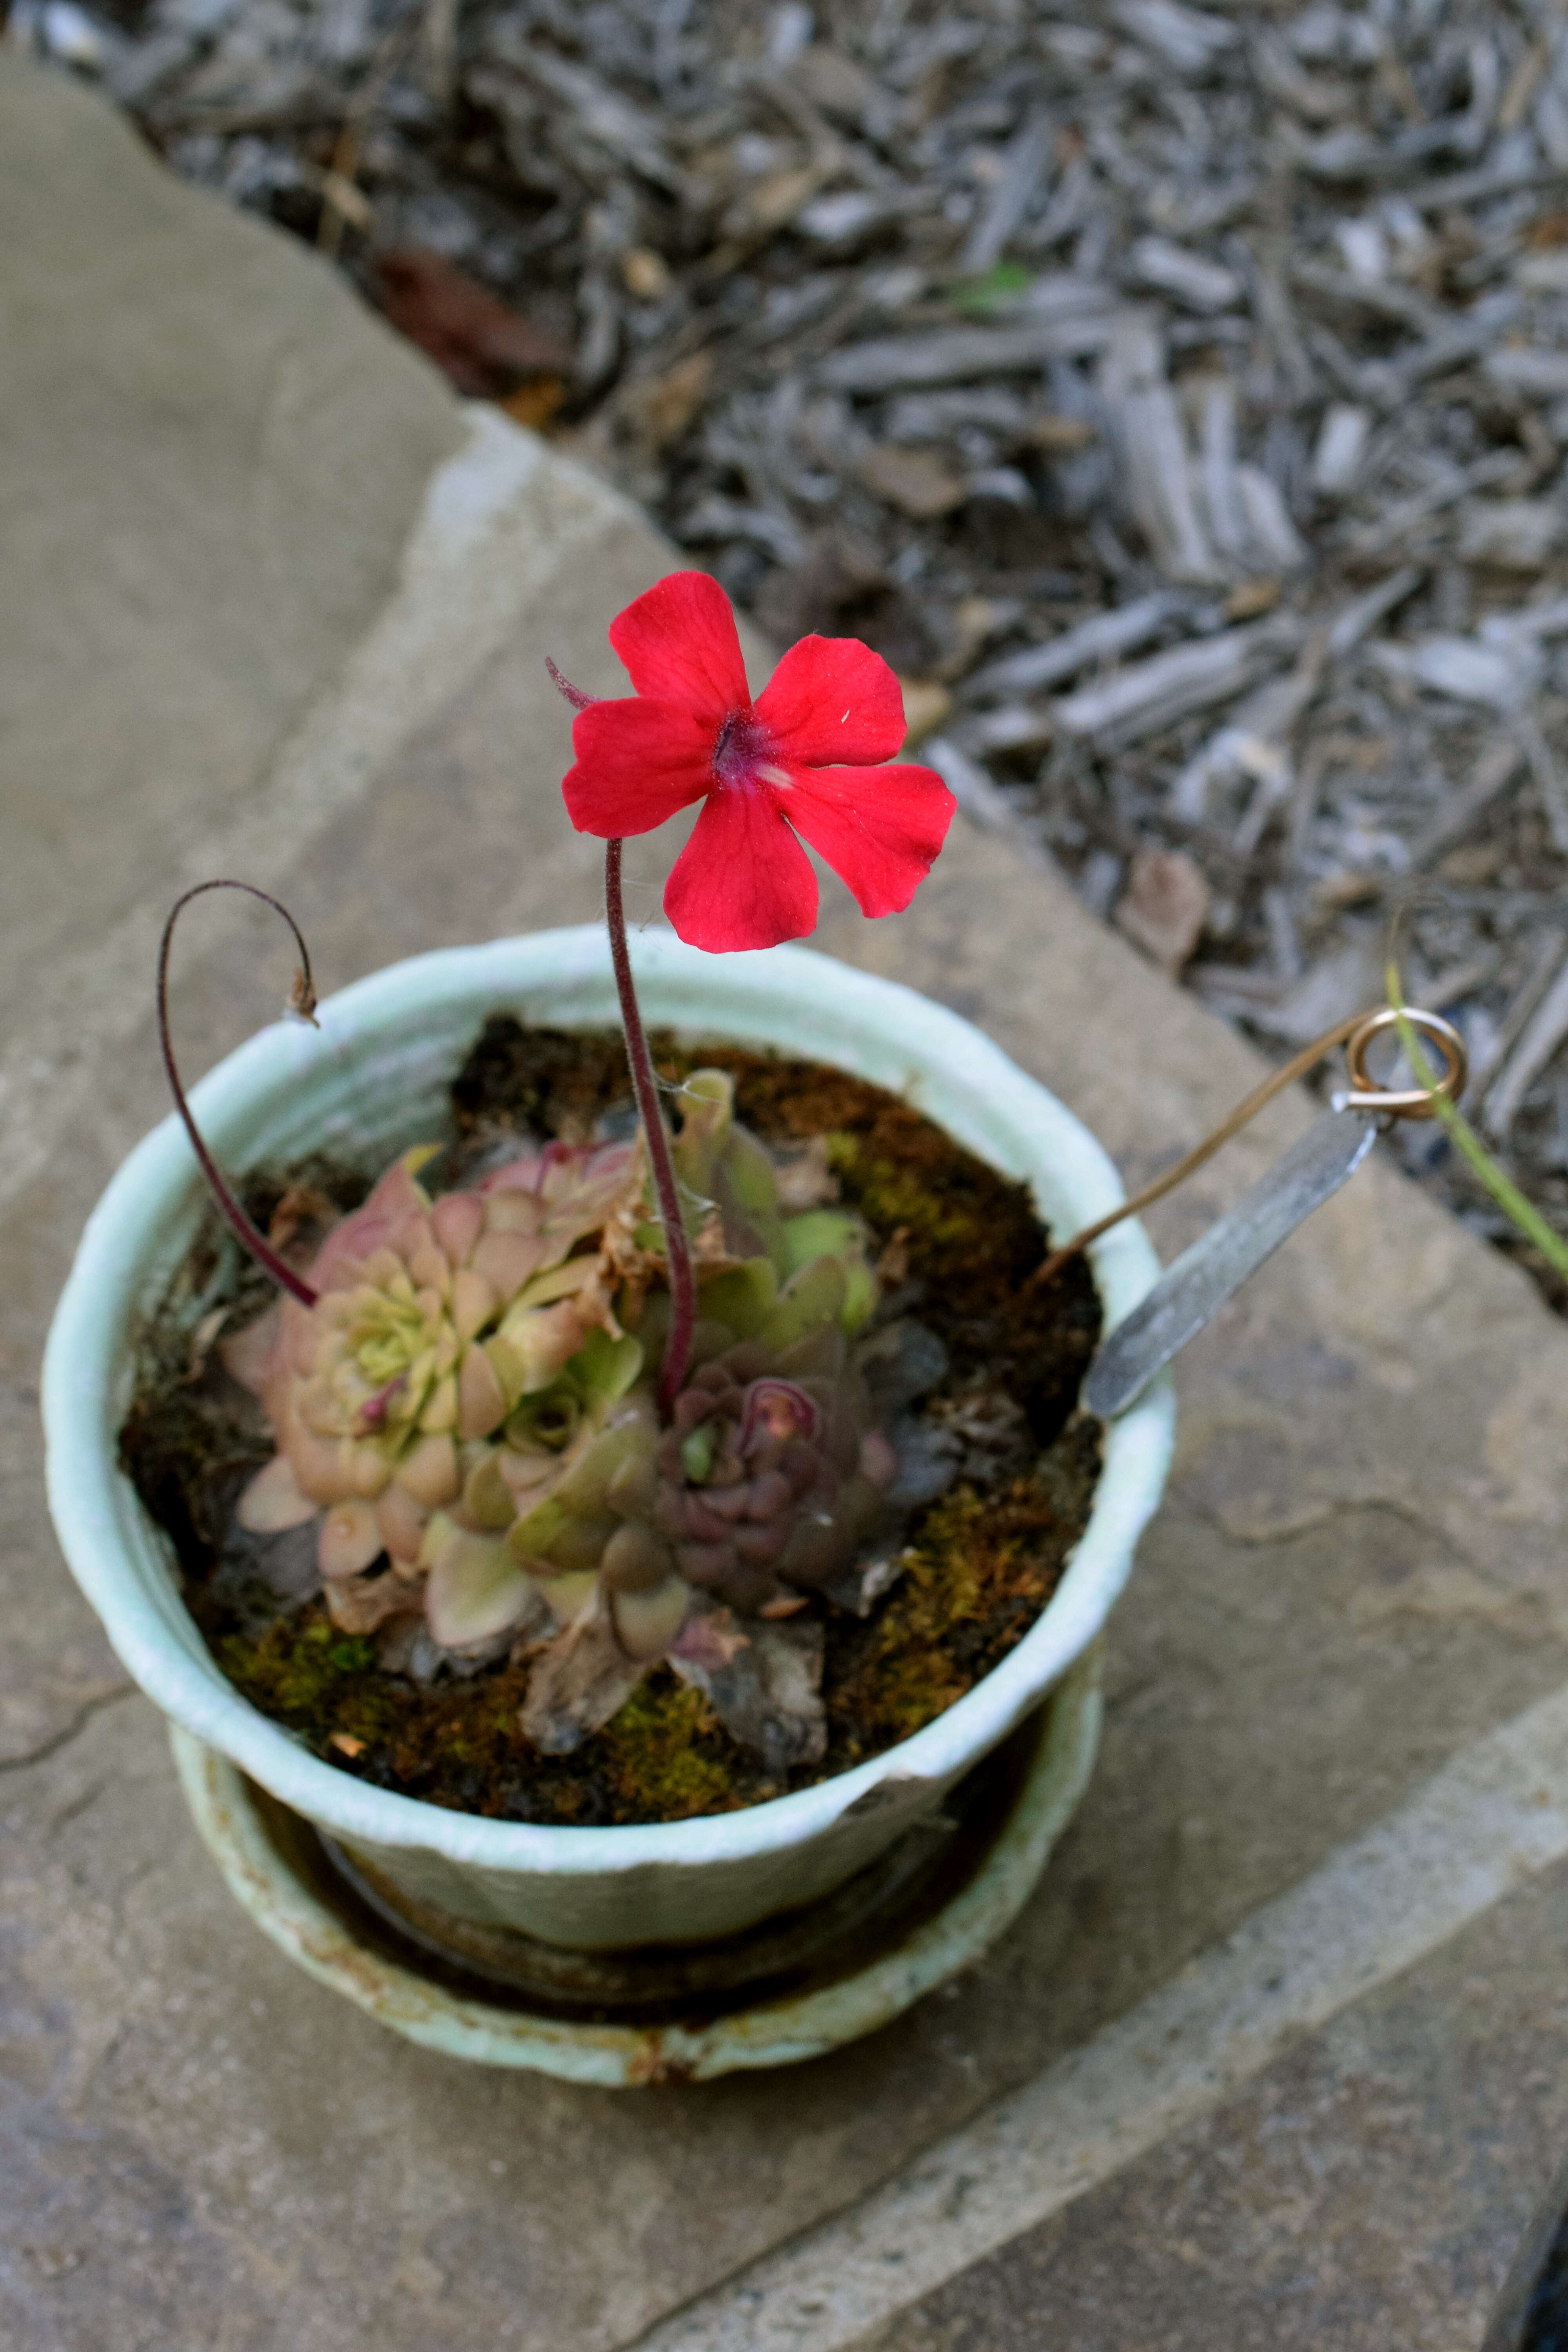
(888, 1968)
(373, 1080)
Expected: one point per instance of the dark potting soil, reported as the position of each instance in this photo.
(957, 1244)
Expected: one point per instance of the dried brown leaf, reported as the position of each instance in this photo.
(483, 346)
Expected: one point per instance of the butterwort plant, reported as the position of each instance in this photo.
(617, 1401)
(807, 758)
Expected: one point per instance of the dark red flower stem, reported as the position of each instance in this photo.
(304, 1002)
(644, 1085)
(682, 1282)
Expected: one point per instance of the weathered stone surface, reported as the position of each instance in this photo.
(210, 465)
(57, 1664)
(1368, 2190)
(1358, 1569)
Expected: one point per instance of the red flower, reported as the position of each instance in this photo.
(806, 754)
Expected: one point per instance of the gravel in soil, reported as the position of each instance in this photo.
(957, 1241)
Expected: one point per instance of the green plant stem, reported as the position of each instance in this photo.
(1457, 1128)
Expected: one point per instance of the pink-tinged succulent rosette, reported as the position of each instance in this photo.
(433, 1319)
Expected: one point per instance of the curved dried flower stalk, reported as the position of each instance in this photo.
(302, 1002)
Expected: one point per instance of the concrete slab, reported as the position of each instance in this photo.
(1357, 1575)
(211, 463)
(1491, 1818)
(1367, 2190)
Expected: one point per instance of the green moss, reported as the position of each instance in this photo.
(304, 1671)
(977, 1576)
(666, 1755)
(290, 1668)
(897, 1200)
(462, 1735)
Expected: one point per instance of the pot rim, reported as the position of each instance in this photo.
(107, 1537)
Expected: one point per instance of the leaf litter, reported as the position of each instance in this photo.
(1176, 395)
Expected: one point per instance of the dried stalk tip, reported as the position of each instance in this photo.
(563, 686)
(303, 996)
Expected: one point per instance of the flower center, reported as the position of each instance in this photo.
(742, 749)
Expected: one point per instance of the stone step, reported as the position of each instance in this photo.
(276, 605)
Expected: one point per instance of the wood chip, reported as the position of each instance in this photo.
(1101, 637)
(959, 354)
(479, 342)
(1170, 268)
(1543, 1033)
(1153, 694)
(1208, 369)
(1164, 907)
(660, 409)
(915, 481)
(983, 802)
(927, 703)
(1516, 534)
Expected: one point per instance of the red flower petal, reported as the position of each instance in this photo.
(831, 699)
(679, 645)
(743, 880)
(638, 764)
(879, 828)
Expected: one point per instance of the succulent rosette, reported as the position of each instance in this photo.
(432, 1320)
(468, 1413)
